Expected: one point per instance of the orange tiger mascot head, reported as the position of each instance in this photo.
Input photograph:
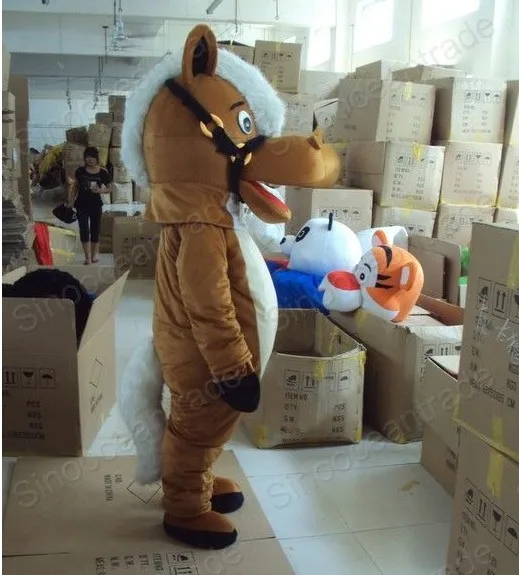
(390, 278)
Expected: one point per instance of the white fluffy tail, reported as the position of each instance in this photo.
(140, 404)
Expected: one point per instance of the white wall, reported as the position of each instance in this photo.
(51, 117)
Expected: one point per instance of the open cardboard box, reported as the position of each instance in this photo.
(436, 399)
(57, 395)
(313, 385)
(396, 354)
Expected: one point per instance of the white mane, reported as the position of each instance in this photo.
(267, 107)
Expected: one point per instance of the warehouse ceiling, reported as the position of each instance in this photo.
(64, 42)
(151, 28)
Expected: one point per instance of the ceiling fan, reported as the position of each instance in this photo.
(119, 40)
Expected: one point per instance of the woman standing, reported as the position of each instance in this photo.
(90, 181)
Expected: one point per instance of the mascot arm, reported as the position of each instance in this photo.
(206, 293)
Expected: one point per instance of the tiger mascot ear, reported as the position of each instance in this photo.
(410, 275)
(379, 239)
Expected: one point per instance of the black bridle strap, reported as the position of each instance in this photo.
(224, 144)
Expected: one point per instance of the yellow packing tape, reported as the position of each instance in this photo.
(418, 150)
(513, 270)
(319, 370)
(498, 433)
(495, 472)
(408, 90)
(262, 435)
(358, 434)
(63, 231)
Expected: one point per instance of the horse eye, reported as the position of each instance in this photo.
(245, 122)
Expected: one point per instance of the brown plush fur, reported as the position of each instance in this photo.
(205, 326)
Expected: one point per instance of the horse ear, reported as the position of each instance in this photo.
(379, 239)
(200, 53)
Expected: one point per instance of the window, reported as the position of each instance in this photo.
(373, 23)
(436, 12)
(319, 52)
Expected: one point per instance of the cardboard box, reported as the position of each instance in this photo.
(8, 106)
(74, 153)
(469, 110)
(99, 135)
(117, 127)
(508, 196)
(169, 558)
(454, 223)
(325, 114)
(141, 194)
(102, 508)
(19, 86)
(135, 246)
(436, 398)
(56, 396)
(439, 460)
(506, 216)
(379, 70)
(512, 113)
(122, 176)
(244, 52)
(77, 136)
(320, 85)
(489, 399)
(416, 222)
(6, 67)
(299, 114)
(114, 156)
(485, 526)
(104, 118)
(122, 193)
(342, 150)
(117, 104)
(382, 110)
(107, 230)
(350, 206)
(396, 355)
(400, 174)
(471, 173)
(280, 63)
(441, 263)
(422, 73)
(313, 385)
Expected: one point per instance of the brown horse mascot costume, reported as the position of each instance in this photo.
(202, 131)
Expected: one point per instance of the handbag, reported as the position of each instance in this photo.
(65, 214)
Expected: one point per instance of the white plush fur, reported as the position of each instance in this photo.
(268, 109)
(139, 400)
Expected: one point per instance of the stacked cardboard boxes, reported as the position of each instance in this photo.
(469, 122)
(19, 88)
(387, 126)
(99, 136)
(485, 528)
(16, 230)
(242, 50)
(396, 358)
(508, 196)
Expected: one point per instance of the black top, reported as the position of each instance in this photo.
(85, 197)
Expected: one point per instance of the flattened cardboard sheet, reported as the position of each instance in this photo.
(69, 505)
(252, 557)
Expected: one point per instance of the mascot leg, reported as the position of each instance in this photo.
(194, 500)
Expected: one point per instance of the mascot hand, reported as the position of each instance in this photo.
(241, 394)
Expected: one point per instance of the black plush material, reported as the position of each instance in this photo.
(52, 283)
(241, 394)
(227, 502)
(201, 539)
